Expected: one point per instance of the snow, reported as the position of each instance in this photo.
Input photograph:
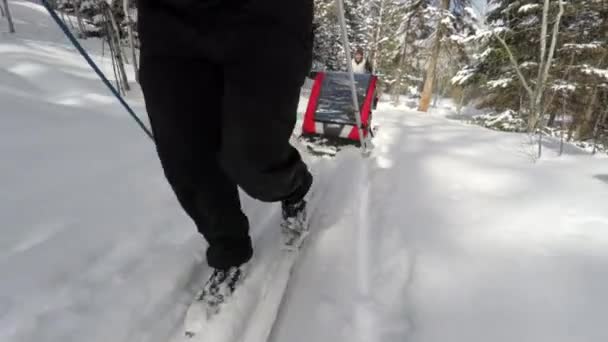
(486, 53)
(471, 13)
(487, 33)
(529, 64)
(589, 70)
(585, 46)
(462, 232)
(456, 38)
(500, 83)
(508, 121)
(564, 87)
(529, 21)
(447, 232)
(462, 76)
(529, 8)
(507, 9)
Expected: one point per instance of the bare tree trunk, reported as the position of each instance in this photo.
(62, 15)
(561, 142)
(115, 38)
(438, 91)
(11, 25)
(553, 116)
(540, 143)
(551, 121)
(402, 59)
(563, 128)
(397, 88)
(543, 41)
(585, 126)
(545, 61)
(571, 130)
(2, 11)
(77, 5)
(515, 65)
(116, 28)
(377, 35)
(536, 94)
(131, 39)
(427, 92)
(72, 27)
(461, 99)
(596, 129)
(113, 59)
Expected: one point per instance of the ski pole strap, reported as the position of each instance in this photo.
(98, 71)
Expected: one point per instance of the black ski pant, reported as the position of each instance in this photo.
(222, 117)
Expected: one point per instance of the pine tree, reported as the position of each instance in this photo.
(577, 77)
(328, 51)
(406, 31)
(407, 56)
(583, 67)
(327, 48)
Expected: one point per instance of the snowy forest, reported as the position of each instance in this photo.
(535, 66)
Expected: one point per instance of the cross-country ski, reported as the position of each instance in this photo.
(261, 288)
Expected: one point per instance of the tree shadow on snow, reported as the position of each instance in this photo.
(551, 143)
(603, 178)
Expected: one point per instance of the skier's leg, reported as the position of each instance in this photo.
(183, 98)
(259, 114)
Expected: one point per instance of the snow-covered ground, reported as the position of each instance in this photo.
(448, 232)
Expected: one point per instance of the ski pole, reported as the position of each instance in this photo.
(353, 88)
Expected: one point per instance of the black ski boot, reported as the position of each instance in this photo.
(220, 286)
(295, 223)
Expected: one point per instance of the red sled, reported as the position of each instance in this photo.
(330, 111)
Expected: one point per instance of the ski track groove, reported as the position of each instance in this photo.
(316, 224)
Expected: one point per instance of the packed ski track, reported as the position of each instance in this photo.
(447, 232)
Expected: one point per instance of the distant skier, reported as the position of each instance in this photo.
(221, 80)
(361, 65)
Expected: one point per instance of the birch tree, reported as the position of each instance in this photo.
(381, 6)
(413, 12)
(114, 42)
(77, 4)
(427, 92)
(536, 90)
(130, 24)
